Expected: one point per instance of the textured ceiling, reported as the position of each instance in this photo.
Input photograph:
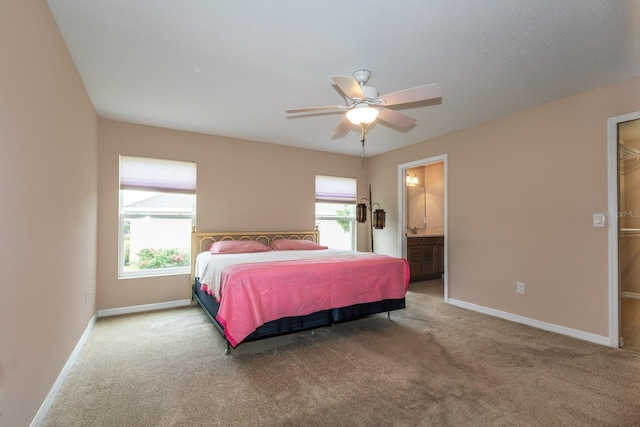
(232, 68)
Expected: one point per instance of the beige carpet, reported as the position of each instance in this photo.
(431, 365)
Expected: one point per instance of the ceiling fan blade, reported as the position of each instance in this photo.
(396, 119)
(342, 129)
(415, 94)
(308, 109)
(349, 86)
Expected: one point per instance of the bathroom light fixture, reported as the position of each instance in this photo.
(412, 181)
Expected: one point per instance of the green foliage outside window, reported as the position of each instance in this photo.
(127, 249)
(163, 258)
(346, 222)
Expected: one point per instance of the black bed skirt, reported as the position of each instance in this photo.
(288, 325)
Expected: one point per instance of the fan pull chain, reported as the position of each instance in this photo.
(364, 136)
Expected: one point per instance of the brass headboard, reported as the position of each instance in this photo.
(202, 241)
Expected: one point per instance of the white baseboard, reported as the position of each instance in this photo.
(48, 401)
(586, 336)
(632, 295)
(145, 307)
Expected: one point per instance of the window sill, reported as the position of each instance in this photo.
(154, 273)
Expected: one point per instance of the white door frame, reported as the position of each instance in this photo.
(612, 217)
(402, 208)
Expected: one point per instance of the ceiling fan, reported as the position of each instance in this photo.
(364, 105)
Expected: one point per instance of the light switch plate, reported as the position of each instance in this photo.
(598, 220)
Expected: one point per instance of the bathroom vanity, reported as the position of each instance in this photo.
(425, 253)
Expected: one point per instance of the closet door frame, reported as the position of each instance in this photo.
(612, 221)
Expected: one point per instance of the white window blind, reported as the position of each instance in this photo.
(138, 173)
(334, 189)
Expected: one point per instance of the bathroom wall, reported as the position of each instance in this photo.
(431, 178)
(434, 186)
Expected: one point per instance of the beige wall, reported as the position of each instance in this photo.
(521, 193)
(48, 188)
(242, 185)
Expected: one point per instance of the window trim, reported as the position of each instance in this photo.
(353, 227)
(181, 182)
(337, 190)
(151, 272)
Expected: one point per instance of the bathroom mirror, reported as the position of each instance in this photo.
(416, 208)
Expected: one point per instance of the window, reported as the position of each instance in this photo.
(335, 211)
(157, 210)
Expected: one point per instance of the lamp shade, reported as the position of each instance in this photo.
(361, 212)
(362, 114)
(379, 217)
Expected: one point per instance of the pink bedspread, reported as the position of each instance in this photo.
(254, 294)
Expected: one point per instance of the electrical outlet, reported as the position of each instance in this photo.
(520, 287)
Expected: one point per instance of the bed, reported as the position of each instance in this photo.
(259, 285)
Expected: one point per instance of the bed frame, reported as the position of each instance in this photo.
(202, 241)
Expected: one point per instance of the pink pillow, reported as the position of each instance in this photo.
(238, 247)
(295, 245)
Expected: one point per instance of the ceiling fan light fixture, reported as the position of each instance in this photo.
(365, 105)
(362, 114)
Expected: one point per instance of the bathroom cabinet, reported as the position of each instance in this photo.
(426, 257)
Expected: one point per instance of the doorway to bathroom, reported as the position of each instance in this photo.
(422, 206)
